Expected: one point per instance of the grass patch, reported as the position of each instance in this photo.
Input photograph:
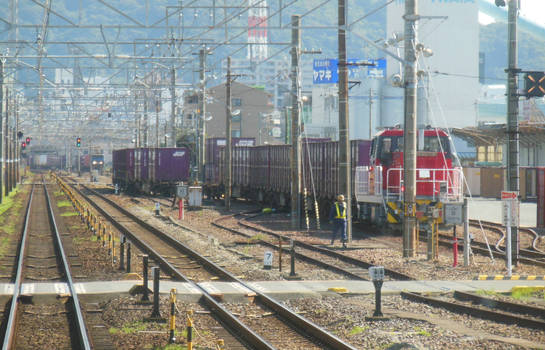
(69, 213)
(58, 193)
(358, 330)
(4, 242)
(172, 347)
(94, 238)
(129, 328)
(486, 292)
(421, 331)
(62, 204)
(524, 293)
(257, 237)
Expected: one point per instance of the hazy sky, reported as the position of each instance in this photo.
(533, 10)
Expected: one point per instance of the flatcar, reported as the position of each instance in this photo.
(379, 187)
(150, 170)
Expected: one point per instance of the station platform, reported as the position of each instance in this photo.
(234, 292)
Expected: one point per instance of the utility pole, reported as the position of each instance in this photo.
(295, 152)
(512, 116)
(202, 107)
(17, 147)
(1, 127)
(172, 137)
(228, 125)
(157, 107)
(146, 144)
(409, 143)
(7, 151)
(344, 137)
(370, 113)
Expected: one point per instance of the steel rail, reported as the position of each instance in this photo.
(497, 316)
(501, 304)
(302, 325)
(10, 324)
(82, 329)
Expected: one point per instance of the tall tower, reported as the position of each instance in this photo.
(257, 30)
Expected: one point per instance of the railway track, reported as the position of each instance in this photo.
(41, 257)
(320, 256)
(528, 255)
(273, 326)
(464, 303)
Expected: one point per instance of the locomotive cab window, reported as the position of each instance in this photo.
(437, 144)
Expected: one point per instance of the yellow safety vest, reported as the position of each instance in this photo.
(339, 214)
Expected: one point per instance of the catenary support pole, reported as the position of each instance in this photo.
(228, 146)
(512, 116)
(202, 107)
(172, 136)
(1, 127)
(344, 137)
(409, 156)
(295, 151)
(467, 241)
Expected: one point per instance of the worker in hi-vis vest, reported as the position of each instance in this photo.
(337, 215)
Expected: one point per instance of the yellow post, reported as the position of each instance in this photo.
(172, 323)
(189, 330)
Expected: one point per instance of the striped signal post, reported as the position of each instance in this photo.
(189, 330)
(172, 322)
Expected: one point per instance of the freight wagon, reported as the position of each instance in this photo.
(262, 173)
(150, 170)
(47, 161)
(214, 147)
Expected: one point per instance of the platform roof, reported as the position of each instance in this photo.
(531, 133)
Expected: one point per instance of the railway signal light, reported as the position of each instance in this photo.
(534, 84)
(23, 145)
(78, 142)
(28, 140)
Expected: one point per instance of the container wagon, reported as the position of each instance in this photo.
(213, 187)
(262, 173)
(150, 170)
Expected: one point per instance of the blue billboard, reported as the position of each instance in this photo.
(326, 71)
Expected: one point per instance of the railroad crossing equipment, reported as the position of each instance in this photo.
(377, 276)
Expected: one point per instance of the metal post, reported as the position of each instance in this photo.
(512, 115)
(228, 156)
(295, 152)
(344, 137)
(172, 321)
(129, 257)
(409, 177)
(122, 253)
(378, 301)
(156, 274)
(292, 251)
(90, 164)
(370, 113)
(172, 137)
(145, 295)
(79, 164)
(508, 251)
(202, 107)
(467, 242)
(145, 141)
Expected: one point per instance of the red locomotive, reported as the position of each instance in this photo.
(380, 188)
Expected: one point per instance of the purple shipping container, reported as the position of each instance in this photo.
(147, 168)
(213, 158)
(170, 164)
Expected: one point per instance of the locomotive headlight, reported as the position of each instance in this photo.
(94, 162)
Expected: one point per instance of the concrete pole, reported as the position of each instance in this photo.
(202, 107)
(6, 145)
(512, 117)
(172, 137)
(1, 127)
(409, 157)
(467, 242)
(157, 103)
(17, 146)
(228, 126)
(146, 123)
(344, 137)
(295, 152)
